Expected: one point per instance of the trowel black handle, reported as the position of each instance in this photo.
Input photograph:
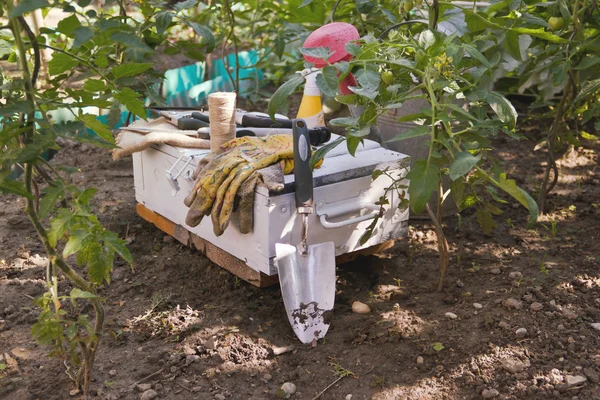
(257, 121)
(191, 124)
(302, 172)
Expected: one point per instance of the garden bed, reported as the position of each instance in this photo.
(193, 331)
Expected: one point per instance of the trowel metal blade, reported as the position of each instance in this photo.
(307, 287)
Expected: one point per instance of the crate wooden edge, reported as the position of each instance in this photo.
(228, 261)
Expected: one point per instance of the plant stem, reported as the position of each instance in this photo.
(442, 247)
(551, 138)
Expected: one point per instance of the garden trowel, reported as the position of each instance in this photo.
(306, 272)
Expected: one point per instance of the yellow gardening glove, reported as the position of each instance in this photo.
(219, 178)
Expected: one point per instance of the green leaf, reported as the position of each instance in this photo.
(98, 127)
(352, 143)
(15, 187)
(457, 191)
(163, 20)
(25, 6)
(305, 3)
(280, 44)
(503, 109)
(512, 46)
(419, 130)
(347, 99)
(119, 246)
(424, 181)
(95, 85)
(368, 78)
(2, 367)
(320, 153)
(130, 69)
(426, 39)
(99, 263)
(15, 108)
(208, 39)
(129, 98)
(82, 35)
(510, 187)
(588, 89)
(365, 6)
(60, 63)
(534, 20)
(184, 5)
(353, 48)
(68, 25)
(131, 41)
(327, 81)
(485, 220)
(437, 346)
(476, 54)
(77, 293)
(344, 121)
(475, 22)
(5, 48)
(589, 61)
(322, 53)
(74, 243)
(52, 194)
(33, 150)
(482, 21)
(460, 111)
(342, 66)
(280, 97)
(462, 164)
(58, 225)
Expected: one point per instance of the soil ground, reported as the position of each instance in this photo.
(194, 331)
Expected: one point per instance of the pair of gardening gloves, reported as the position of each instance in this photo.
(226, 179)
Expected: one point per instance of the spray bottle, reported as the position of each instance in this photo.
(310, 107)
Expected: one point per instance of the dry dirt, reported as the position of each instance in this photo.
(194, 331)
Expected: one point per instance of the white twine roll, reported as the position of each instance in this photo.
(221, 111)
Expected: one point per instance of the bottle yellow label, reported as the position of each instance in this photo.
(311, 111)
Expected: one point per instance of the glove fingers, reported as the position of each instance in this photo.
(195, 213)
(272, 177)
(215, 180)
(246, 203)
(241, 175)
(218, 204)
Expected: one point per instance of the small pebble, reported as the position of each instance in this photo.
(168, 239)
(142, 387)
(288, 388)
(521, 332)
(267, 377)
(420, 360)
(575, 380)
(348, 397)
(513, 304)
(536, 306)
(148, 395)
(560, 327)
(596, 326)
(459, 283)
(495, 271)
(490, 393)
(503, 325)
(515, 275)
(219, 396)
(112, 372)
(477, 306)
(360, 308)
(450, 315)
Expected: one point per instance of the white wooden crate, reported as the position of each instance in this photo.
(344, 198)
